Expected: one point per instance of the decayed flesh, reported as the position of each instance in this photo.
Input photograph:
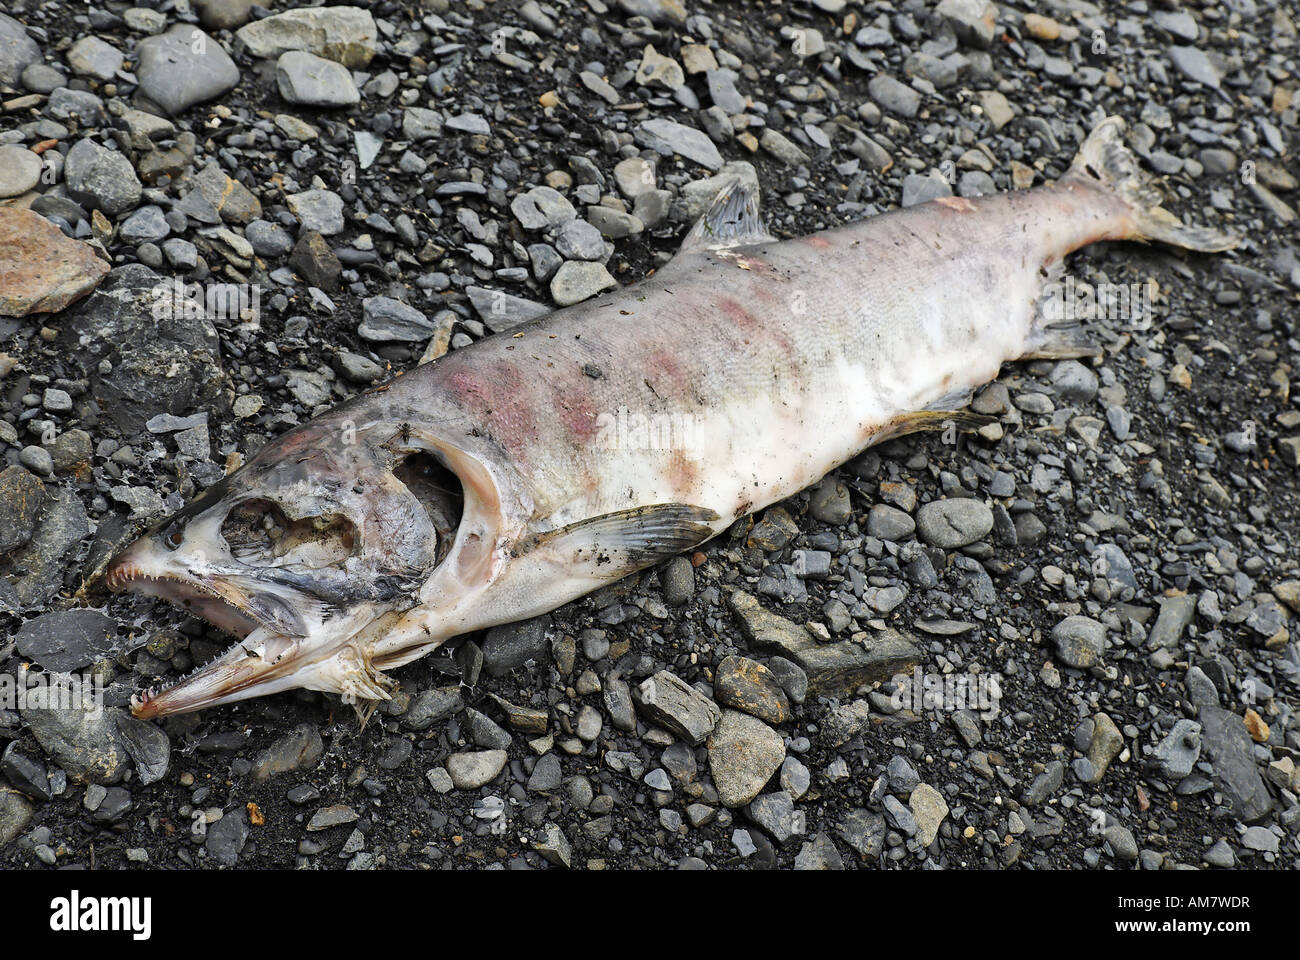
(508, 478)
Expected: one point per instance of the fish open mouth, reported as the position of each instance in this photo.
(268, 627)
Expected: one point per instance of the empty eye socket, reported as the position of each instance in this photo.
(258, 530)
(174, 537)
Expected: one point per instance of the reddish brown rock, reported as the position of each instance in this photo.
(41, 270)
(749, 686)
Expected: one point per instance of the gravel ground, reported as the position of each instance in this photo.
(1109, 568)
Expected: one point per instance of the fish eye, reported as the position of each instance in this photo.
(175, 538)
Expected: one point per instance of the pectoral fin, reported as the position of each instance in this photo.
(613, 545)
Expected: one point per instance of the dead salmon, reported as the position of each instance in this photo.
(532, 467)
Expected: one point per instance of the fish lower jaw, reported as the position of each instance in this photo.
(158, 700)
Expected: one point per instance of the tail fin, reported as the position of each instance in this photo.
(1104, 160)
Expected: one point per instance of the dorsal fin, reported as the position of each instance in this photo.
(732, 220)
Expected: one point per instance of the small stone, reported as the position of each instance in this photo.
(929, 809)
(514, 645)
(84, 742)
(1221, 855)
(1080, 641)
(1256, 727)
(313, 81)
(775, 813)
(744, 752)
(578, 280)
(668, 137)
(747, 685)
(16, 811)
(318, 210)
(472, 770)
(1260, 839)
(1193, 63)
(1176, 613)
(781, 147)
(21, 497)
(667, 700)
(1176, 755)
(347, 34)
(223, 14)
(953, 523)
(91, 56)
(268, 239)
(101, 178)
(657, 70)
(1042, 28)
(301, 749)
(440, 780)
(501, 311)
(554, 846)
(579, 240)
(315, 262)
(326, 818)
(1106, 744)
(386, 319)
(894, 96)
(183, 67)
(1045, 784)
(1121, 842)
(20, 170)
(974, 21)
(829, 502)
(614, 224)
(889, 523)
(795, 777)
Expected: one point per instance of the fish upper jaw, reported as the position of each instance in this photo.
(217, 592)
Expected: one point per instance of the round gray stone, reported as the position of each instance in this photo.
(20, 170)
(953, 523)
(313, 81)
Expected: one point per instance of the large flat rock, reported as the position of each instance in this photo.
(833, 669)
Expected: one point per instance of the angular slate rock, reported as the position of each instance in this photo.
(68, 639)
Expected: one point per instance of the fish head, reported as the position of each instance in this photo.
(302, 554)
